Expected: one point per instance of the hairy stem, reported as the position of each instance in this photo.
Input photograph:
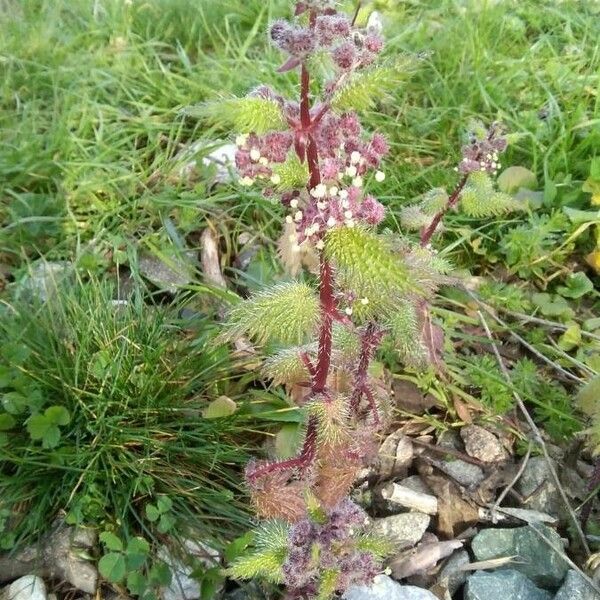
(325, 333)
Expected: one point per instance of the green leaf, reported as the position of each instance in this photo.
(112, 567)
(235, 548)
(160, 574)
(479, 199)
(38, 426)
(514, 178)
(58, 415)
(293, 174)
(571, 338)
(7, 422)
(164, 504)
(552, 305)
(244, 115)
(221, 407)
(136, 583)
(152, 513)
(14, 403)
(136, 553)
(166, 523)
(365, 88)
(578, 285)
(288, 440)
(286, 312)
(111, 541)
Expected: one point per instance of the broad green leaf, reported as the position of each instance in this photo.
(577, 285)
(111, 541)
(221, 407)
(112, 567)
(58, 415)
(14, 402)
(514, 178)
(136, 553)
(164, 504)
(571, 338)
(166, 523)
(160, 574)
(136, 583)
(152, 513)
(38, 426)
(6, 422)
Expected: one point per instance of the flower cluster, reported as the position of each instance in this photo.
(483, 154)
(328, 545)
(348, 46)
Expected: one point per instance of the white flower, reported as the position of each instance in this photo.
(343, 194)
(246, 181)
(254, 154)
(275, 179)
(319, 191)
(357, 181)
(289, 219)
(345, 203)
(294, 202)
(333, 190)
(348, 310)
(241, 140)
(298, 216)
(379, 176)
(355, 157)
(348, 214)
(321, 205)
(331, 222)
(351, 171)
(350, 223)
(295, 248)
(364, 301)
(320, 245)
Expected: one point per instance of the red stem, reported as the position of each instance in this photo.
(427, 233)
(327, 312)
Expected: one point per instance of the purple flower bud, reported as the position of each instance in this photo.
(344, 55)
(374, 43)
(379, 144)
(372, 211)
(328, 28)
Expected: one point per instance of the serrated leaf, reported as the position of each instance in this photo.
(578, 285)
(112, 567)
(244, 115)
(286, 312)
(220, 407)
(111, 541)
(365, 88)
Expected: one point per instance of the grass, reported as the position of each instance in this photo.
(94, 110)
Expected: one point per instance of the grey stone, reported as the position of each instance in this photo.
(167, 275)
(451, 572)
(60, 557)
(576, 587)
(405, 529)
(482, 444)
(506, 584)
(385, 588)
(464, 473)
(534, 557)
(537, 487)
(43, 279)
(416, 484)
(29, 587)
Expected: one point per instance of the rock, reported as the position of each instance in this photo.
(576, 587)
(404, 530)
(183, 586)
(537, 487)
(505, 584)
(415, 483)
(464, 473)
(58, 557)
(451, 575)
(482, 444)
(385, 588)
(170, 274)
(29, 587)
(43, 279)
(534, 557)
(395, 455)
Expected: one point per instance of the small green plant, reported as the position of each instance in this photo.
(314, 155)
(102, 420)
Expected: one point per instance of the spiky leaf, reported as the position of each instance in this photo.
(264, 564)
(480, 199)
(248, 114)
(366, 265)
(293, 174)
(286, 312)
(328, 584)
(287, 366)
(365, 88)
(376, 545)
(405, 332)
